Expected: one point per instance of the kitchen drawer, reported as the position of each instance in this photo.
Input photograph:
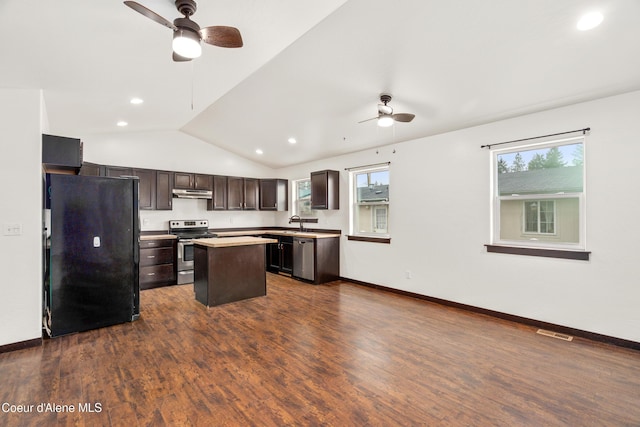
(159, 243)
(155, 256)
(156, 273)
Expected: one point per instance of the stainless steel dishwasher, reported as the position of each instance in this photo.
(303, 257)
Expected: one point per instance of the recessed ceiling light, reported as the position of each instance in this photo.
(122, 123)
(589, 21)
(292, 140)
(259, 151)
(136, 101)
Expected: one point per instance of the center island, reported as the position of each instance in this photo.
(228, 269)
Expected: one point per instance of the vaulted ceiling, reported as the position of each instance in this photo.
(312, 70)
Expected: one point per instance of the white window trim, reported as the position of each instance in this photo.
(495, 198)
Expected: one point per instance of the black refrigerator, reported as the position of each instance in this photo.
(91, 253)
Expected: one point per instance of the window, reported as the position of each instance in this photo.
(302, 198)
(380, 219)
(538, 195)
(539, 216)
(370, 201)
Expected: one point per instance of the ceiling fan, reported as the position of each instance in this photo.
(187, 35)
(385, 113)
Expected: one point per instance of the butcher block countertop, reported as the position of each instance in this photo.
(223, 242)
(157, 236)
(309, 234)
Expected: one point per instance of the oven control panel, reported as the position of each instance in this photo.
(189, 223)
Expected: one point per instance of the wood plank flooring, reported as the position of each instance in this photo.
(333, 355)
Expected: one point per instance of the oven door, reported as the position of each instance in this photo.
(185, 255)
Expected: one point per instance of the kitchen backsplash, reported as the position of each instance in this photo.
(197, 209)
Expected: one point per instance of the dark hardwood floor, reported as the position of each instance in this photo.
(336, 355)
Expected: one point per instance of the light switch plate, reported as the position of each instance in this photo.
(12, 229)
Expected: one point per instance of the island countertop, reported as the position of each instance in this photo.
(222, 242)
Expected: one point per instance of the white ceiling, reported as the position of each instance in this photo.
(313, 69)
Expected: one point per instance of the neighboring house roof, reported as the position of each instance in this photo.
(541, 181)
(304, 193)
(373, 193)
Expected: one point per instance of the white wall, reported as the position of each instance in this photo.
(21, 256)
(439, 222)
(439, 219)
(176, 151)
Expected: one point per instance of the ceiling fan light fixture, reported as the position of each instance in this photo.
(385, 120)
(186, 43)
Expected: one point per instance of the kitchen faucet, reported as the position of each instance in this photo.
(294, 217)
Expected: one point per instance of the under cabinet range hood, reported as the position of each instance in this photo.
(192, 194)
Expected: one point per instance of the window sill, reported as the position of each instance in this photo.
(549, 253)
(369, 239)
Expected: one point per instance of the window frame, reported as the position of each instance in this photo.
(354, 232)
(496, 199)
(295, 205)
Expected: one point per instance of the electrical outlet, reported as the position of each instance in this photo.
(407, 274)
(13, 229)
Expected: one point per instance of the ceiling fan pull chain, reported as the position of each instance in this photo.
(192, 78)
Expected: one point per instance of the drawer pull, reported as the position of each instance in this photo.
(151, 256)
(151, 274)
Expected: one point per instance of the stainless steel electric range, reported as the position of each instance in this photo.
(187, 231)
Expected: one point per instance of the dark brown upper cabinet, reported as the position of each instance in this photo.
(242, 193)
(274, 195)
(147, 188)
(192, 181)
(219, 200)
(147, 183)
(325, 189)
(117, 171)
(91, 169)
(164, 190)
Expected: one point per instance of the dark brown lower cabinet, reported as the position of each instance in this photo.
(327, 260)
(157, 263)
(280, 255)
(228, 274)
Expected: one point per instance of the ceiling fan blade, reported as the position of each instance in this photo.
(384, 109)
(178, 58)
(403, 117)
(221, 36)
(150, 14)
(368, 120)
